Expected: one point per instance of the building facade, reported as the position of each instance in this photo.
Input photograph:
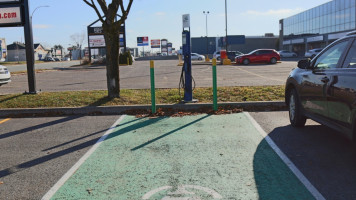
(318, 26)
(244, 44)
(17, 52)
(3, 49)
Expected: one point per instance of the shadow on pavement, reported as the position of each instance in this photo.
(324, 156)
(166, 134)
(17, 132)
(43, 159)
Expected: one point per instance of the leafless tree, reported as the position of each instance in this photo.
(78, 39)
(107, 15)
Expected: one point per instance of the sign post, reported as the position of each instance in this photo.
(30, 52)
(17, 13)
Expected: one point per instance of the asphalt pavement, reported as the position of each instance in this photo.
(137, 76)
(46, 65)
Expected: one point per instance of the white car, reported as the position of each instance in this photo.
(196, 56)
(286, 54)
(4, 75)
(312, 53)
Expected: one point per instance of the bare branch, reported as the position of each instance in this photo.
(103, 6)
(92, 4)
(124, 12)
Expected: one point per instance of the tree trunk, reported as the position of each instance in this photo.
(112, 60)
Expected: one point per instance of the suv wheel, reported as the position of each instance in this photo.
(296, 117)
(246, 61)
(273, 60)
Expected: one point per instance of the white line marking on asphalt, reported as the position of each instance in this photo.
(76, 166)
(317, 195)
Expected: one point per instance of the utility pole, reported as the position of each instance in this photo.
(226, 24)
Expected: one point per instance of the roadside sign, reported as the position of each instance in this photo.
(186, 21)
(156, 43)
(9, 1)
(10, 16)
(142, 41)
(96, 41)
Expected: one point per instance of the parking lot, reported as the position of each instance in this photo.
(224, 156)
(167, 75)
(233, 159)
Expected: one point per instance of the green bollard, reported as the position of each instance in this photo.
(215, 90)
(153, 92)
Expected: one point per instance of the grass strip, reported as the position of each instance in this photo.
(8, 64)
(138, 96)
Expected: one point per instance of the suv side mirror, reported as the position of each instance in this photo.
(304, 64)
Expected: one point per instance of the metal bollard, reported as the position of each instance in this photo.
(153, 92)
(215, 90)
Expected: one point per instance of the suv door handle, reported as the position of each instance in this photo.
(325, 80)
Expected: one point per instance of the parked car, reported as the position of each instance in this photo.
(49, 59)
(5, 75)
(312, 53)
(56, 59)
(196, 56)
(259, 56)
(286, 54)
(230, 55)
(324, 88)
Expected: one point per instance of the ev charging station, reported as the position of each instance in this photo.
(186, 76)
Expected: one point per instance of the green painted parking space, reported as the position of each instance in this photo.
(191, 157)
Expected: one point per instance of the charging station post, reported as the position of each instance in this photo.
(187, 66)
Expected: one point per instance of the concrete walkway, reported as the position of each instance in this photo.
(191, 157)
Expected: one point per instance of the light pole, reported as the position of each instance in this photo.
(36, 9)
(206, 13)
(226, 24)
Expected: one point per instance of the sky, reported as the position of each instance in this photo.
(159, 19)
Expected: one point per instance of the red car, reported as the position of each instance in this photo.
(259, 56)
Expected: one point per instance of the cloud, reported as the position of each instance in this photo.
(41, 26)
(160, 13)
(280, 12)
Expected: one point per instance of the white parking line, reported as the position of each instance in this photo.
(317, 195)
(76, 166)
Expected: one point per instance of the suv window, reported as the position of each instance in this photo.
(350, 61)
(331, 57)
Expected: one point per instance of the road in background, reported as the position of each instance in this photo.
(167, 75)
(46, 65)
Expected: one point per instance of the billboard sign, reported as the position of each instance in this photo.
(156, 43)
(98, 30)
(96, 41)
(164, 43)
(10, 16)
(9, 1)
(142, 41)
(186, 21)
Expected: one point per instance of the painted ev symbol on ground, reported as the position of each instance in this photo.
(182, 193)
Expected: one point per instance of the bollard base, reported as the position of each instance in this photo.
(192, 101)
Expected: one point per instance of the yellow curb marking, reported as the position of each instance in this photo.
(5, 120)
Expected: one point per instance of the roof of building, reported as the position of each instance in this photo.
(19, 45)
(16, 46)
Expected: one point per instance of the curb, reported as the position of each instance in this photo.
(134, 109)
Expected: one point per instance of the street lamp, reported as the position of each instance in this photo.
(226, 24)
(206, 13)
(36, 9)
